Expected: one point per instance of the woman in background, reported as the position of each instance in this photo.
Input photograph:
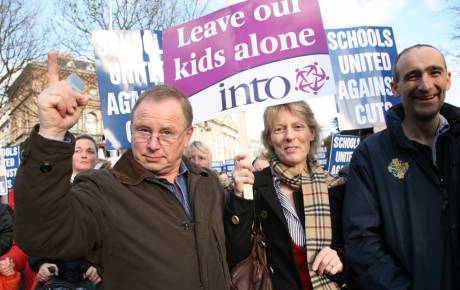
(199, 153)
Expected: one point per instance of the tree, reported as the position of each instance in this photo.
(80, 17)
(456, 11)
(20, 41)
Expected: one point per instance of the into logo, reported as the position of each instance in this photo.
(311, 78)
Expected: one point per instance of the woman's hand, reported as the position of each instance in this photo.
(242, 174)
(92, 275)
(44, 273)
(327, 262)
(7, 267)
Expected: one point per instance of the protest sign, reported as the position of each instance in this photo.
(321, 156)
(218, 166)
(362, 59)
(3, 181)
(11, 160)
(342, 147)
(252, 54)
(127, 63)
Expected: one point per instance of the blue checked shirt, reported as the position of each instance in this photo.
(182, 195)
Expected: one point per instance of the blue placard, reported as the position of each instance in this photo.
(229, 167)
(11, 158)
(216, 163)
(127, 63)
(217, 168)
(362, 60)
(322, 157)
(342, 147)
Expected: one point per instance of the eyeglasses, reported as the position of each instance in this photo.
(165, 137)
(282, 130)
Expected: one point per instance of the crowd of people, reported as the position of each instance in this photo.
(161, 218)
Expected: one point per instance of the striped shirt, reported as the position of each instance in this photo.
(296, 229)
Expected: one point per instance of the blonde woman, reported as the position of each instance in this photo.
(298, 204)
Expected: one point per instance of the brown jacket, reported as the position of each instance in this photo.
(120, 219)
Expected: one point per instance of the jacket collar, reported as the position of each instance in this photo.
(395, 116)
(130, 172)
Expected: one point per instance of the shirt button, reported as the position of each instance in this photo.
(235, 219)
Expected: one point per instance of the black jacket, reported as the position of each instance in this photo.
(6, 228)
(284, 272)
(401, 211)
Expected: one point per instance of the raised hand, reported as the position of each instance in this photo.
(242, 174)
(59, 106)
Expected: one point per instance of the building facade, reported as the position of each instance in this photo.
(20, 114)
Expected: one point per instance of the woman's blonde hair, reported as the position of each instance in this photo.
(300, 109)
(200, 146)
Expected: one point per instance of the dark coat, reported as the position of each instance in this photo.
(402, 232)
(284, 271)
(120, 219)
(6, 228)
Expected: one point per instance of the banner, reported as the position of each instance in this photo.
(252, 54)
(127, 63)
(362, 59)
(342, 147)
(10, 160)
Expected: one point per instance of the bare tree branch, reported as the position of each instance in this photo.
(20, 41)
(80, 17)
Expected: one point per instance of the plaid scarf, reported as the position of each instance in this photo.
(314, 183)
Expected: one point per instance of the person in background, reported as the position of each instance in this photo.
(154, 220)
(77, 272)
(298, 203)
(10, 279)
(14, 260)
(84, 156)
(401, 207)
(6, 228)
(199, 153)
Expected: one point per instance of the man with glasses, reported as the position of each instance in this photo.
(154, 221)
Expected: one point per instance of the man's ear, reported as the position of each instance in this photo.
(395, 89)
(188, 136)
(449, 77)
